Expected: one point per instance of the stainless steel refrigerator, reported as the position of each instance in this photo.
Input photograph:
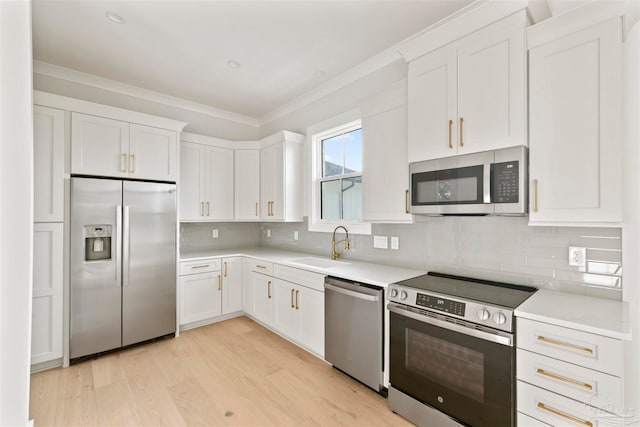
(123, 263)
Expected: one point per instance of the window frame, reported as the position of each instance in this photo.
(339, 125)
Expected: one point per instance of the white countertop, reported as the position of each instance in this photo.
(588, 314)
(359, 271)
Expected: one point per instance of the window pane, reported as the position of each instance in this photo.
(352, 198)
(332, 156)
(353, 151)
(330, 199)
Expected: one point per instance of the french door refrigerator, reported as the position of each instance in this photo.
(123, 263)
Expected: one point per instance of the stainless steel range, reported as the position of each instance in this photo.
(452, 350)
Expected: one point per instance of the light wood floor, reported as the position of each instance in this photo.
(230, 373)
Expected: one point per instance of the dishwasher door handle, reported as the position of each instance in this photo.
(350, 293)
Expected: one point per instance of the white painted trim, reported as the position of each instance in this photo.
(472, 18)
(283, 135)
(68, 74)
(575, 20)
(77, 105)
(206, 140)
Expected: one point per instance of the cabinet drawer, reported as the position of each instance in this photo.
(527, 421)
(557, 410)
(302, 277)
(581, 348)
(260, 266)
(579, 383)
(200, 266)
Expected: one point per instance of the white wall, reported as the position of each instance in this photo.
(16, 210)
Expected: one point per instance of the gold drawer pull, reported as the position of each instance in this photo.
(201, 266)
(269, 289)
(565, 344)
(297, 306)
(564, 379)
(261, 266)
(292, 306)
(461, 142)
(564, 415)
(225, 269)
(450, 124)
(219, 282)
(406, 201)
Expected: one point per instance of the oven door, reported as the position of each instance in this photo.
(466, 373)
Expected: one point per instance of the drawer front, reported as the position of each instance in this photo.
(260, 266)
(557, 410)
(302, 277)
(527, 421)
(581, 348)
(200, 266)
(582, 384)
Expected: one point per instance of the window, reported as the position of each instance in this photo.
(337, 176)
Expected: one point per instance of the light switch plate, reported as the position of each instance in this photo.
(214, 234)
(381, 242)
(395, 242)
(295, 235)
(268, 232)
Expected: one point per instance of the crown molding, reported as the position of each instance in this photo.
(51, 70)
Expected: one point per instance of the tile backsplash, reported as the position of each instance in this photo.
(492, 247)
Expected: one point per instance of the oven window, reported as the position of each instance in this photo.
(456, 367)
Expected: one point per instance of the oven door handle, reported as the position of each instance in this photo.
(504, 339)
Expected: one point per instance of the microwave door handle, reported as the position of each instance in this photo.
(486, 184)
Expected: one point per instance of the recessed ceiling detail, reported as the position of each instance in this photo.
(183, 48)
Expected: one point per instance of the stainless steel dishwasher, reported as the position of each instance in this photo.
(353, 330)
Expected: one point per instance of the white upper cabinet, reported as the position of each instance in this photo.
(153, 153)
(384, 136)
(107, 147)
(575, 127)
(206, 182)
(48, 139)
(470, 96)
(247, 185)
(281, 177)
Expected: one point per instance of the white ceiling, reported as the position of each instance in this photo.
(181, 48)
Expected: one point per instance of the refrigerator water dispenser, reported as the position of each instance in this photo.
(97, 242)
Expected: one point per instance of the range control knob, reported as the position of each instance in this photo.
(483, 314)
(394, 293)
(403, 295)
(499, 318)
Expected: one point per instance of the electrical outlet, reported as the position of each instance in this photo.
(577, 256)
(214, 234)
(395, 243)
(295, 235)
(381, 242)
(268, 232)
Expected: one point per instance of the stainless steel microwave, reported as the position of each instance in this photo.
(486, 183)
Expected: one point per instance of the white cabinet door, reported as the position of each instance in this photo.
(99, 146)
(285, 317)
(272, 182)
(191, 181)
(575, 129)
(200, 297)
(247, 184)
(384, 135)
(492, 87)
(310, 306)
(432, 83)
(231, 285)
(48, 164)
(46, 335)
(219, 183)
(262, 297)
(153, 153)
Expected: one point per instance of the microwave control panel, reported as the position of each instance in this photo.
(505, 182)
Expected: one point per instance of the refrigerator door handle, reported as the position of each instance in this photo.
(125, 248)
(118, 246)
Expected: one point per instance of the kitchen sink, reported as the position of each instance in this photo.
(319, 262)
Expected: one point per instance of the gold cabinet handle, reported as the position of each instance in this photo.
(132, 163)
(461, 142)
(292, 306)
(564, 344)
(535, 195)
(450, 125)
(261, 266)
(200, 266)
(219, 282)
(564, 379)
(201, 208)
(225, 269)
(256, 208)
(564, 415)
(406, 201)
(123, 163)
(270, 208)
(269, 289)
(297, 306)
(208, 209)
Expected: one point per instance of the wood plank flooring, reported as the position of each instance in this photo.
(234, 372)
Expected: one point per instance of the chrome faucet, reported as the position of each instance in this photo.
(335, 254)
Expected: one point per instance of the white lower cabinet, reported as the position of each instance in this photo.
(231, 285)
(262, 288)
(46, 335)
(567, 377)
